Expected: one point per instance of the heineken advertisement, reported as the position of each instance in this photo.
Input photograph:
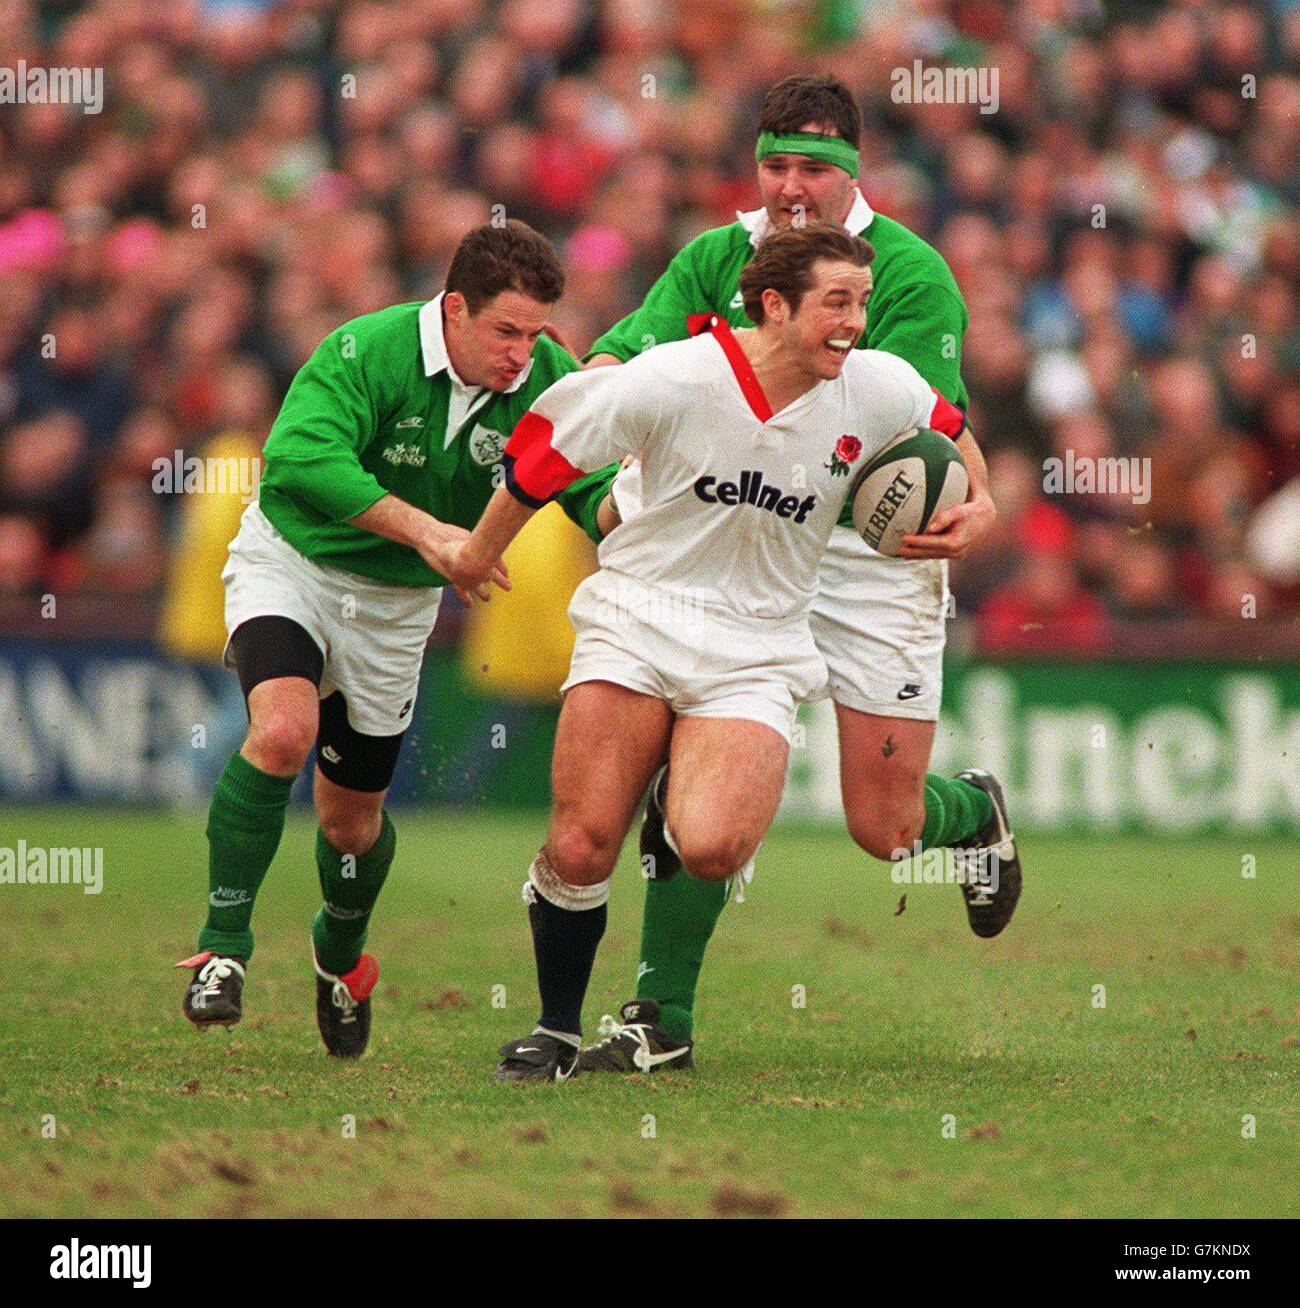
(1177, 747)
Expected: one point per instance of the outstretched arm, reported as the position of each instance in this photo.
(473, 563)
(434, 541)
(584, 419)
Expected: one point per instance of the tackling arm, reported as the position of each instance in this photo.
(433, 540)
(313, 455)
(585, 419)
(475, 559)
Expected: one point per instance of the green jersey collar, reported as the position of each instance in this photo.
(433, 346)
(758, 224)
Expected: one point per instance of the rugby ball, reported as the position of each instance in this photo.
(903, 485)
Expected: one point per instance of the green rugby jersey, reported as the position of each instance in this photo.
(915, 310)
(377, 410)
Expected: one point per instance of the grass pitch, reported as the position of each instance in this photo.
(929, 1074)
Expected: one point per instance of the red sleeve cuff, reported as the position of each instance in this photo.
(536, 473)
(947, 417)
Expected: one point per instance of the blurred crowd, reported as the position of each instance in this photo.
(1123, 229)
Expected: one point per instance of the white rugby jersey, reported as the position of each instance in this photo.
(738, 503)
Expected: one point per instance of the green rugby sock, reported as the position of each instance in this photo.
(680, 915)
(244, 827)
(349, 887)
(955, 811)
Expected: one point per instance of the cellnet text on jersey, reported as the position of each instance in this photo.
(751, 489)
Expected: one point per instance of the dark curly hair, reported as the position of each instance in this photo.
(796, 101)
(511, 257)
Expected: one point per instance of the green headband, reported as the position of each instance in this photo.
(829, 149)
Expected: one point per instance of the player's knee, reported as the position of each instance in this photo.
(279, 741)
(581, 855)
(882, 829)
(713, 856)
(351, 831)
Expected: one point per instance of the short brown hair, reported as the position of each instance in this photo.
(796, 101)
(784, 263)
(511, 257)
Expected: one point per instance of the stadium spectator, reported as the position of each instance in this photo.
(45, 474)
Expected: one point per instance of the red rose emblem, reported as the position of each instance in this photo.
(847, 448)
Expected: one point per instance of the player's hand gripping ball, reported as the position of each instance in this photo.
(903, 486)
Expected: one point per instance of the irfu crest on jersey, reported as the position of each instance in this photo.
(486, 446)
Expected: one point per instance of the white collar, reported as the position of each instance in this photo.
(433, 346)
(758, 224)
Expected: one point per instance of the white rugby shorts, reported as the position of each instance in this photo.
(703, 661)
(371, 633)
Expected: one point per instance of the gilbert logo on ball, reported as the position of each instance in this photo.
(902, 487)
